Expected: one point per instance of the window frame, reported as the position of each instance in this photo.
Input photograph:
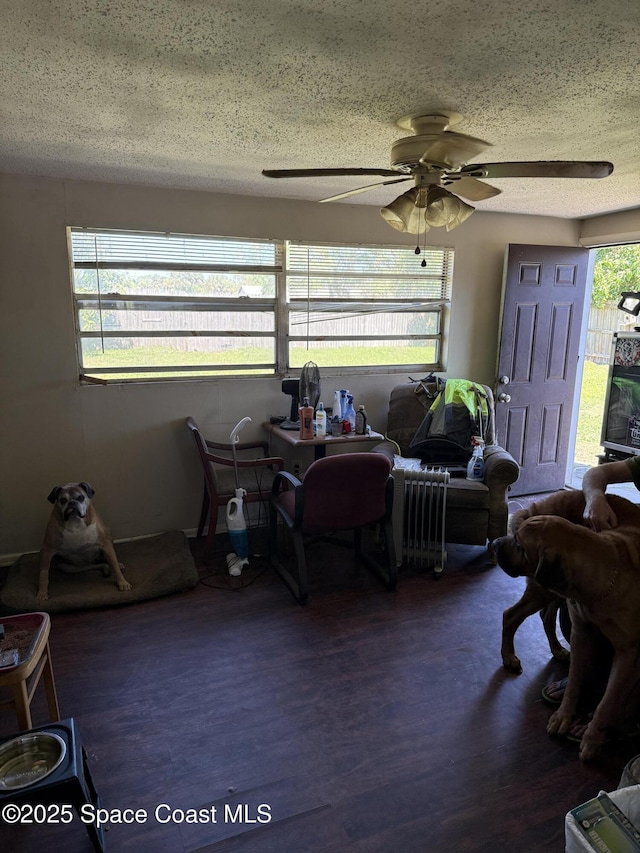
(280, 305)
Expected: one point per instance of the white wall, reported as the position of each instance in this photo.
(614, 228)
(130, 441)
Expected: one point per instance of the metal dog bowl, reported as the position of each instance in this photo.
(29, 758)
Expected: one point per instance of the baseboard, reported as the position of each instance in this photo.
(7, 560)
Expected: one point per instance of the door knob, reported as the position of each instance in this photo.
(504, 398)
(504, 380)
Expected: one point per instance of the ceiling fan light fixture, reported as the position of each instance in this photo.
(422, 208)
(444, 209)
(404, 213)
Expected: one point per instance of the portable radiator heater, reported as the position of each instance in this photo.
(418, 517)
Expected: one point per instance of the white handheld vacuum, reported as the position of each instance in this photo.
(236, 523)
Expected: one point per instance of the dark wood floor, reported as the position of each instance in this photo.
(366, 721)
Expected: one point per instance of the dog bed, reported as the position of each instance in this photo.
(155, 566)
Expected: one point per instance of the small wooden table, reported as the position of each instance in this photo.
(319, 445)
(29, 633)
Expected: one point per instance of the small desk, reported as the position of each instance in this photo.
(319, 445)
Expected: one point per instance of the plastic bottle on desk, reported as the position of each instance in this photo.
(350, 414)
(361, 421)
(321, 421)
(306, 419)
(337, 407)
(343, 402)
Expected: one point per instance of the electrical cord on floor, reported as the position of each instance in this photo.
(229, 583)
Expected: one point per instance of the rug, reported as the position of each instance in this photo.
(155, 566)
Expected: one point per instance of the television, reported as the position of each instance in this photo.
(620, 436)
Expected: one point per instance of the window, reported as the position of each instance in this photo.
(167, 305)
(366, 306)
(159, 306)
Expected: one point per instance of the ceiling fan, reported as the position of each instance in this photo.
(434, 158)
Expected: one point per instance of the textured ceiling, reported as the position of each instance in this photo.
(204, 94)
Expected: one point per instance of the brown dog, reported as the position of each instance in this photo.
(599, 573)
(535, 599)
(76, 538)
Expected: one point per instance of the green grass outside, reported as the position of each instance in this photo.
(594, 383)
(363, 356)
(394, 355)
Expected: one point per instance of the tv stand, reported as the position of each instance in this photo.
(613, 456)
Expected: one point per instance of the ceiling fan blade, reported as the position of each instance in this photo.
(366, 189)
(321, 173)
(540, 169)
(469, 188)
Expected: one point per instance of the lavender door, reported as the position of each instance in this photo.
(543, 305)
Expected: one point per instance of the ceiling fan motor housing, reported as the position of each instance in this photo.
(406, 153)
(434, 147)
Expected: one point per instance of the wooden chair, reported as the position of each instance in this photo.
(34, 663)
(349, 491)
(255, 475)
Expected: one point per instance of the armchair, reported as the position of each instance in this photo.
(477, 511)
